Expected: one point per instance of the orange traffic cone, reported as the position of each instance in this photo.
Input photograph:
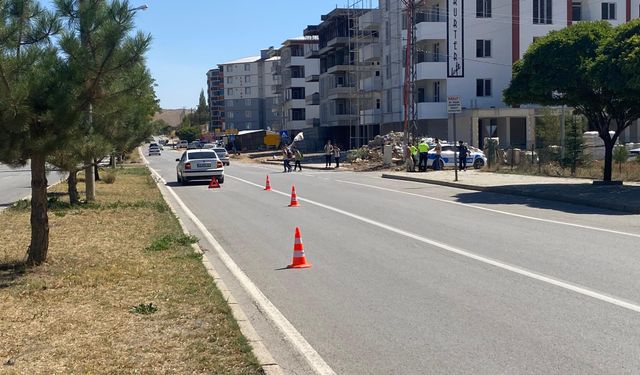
(214, 183)
(268, 185)
(299, 260)
(294, 198)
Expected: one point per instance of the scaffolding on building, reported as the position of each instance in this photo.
(360, 99)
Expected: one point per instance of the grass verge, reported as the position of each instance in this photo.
(122, 291)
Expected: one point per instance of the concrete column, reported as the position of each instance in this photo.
(450, 129)
(531, 129)
(475, 141)
(507, 133)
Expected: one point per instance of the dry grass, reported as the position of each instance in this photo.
(74, 314)
(630, 170)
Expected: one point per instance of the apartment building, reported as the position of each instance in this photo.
(248, 93)
(471, 54)
(215, 93)
(298, 91)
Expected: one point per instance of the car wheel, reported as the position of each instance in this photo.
(478, 163)
(183, 180)
(178, 177)
(220, 179)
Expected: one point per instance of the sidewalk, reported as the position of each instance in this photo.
(624, 198)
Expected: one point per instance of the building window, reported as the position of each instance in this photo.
(247, 102)
(247, 79)
(229, 92)
(229, 103)
(389, 102)
(576, 11)
(247, 67)
(231, 125)
(483, 8)
(248, 114)
(297, 71)
(483, 87)
(247, 90)
(387, 33)
(436, 91)
(298, 114)
(378, 105)
(388, 66)
(608, 11)
(297, 93)
(248, 125)
(229, 79)
(542, 12)
(483, 48)
(230, 114)
(436, 52)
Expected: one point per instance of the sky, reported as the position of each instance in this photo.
(192, 36)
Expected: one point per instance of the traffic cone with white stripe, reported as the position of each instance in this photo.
(267, 187)
(294, 198)
(299, 260)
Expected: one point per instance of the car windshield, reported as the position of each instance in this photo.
(202, 155)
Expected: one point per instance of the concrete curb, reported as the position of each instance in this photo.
(260, 351)
(512, 191)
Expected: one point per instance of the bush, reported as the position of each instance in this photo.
(109, 178)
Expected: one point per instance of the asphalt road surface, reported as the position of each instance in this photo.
(15, 183)
(411, 278)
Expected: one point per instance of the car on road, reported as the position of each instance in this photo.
(199, 165)
(475, 159)
(183, 144)
(154, 149)
(194, 145)
(223, 155)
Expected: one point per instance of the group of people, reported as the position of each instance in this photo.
(419, 153)
(292, 153)
(331, 151)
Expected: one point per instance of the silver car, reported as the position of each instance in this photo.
(223, 155)
(199, 165)
(154, 149)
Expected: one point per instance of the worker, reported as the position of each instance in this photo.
(412, 158)
(423, 149)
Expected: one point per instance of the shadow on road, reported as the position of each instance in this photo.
(570, 198)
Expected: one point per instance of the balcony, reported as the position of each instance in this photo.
(371, 84)
(275, 89)
(431, 70)
(341, 92)
(297, 60)
(431, 31)
(372, 51)
(370, 20)
(340, 68)
(312, 53)
(331, 44)
(315, 122)
(312, 78)
(313, 99)
(432, 110)
(297, 82)
(371, 116)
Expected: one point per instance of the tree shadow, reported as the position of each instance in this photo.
(570, 198)
(10, 271)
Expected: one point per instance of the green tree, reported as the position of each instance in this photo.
(36, 90)
(574, 144)
(620, 156)
(587, 66)
(188, 134)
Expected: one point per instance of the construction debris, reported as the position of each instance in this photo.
(370, 157)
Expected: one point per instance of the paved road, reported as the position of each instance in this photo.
(15, 183)
(411, 279)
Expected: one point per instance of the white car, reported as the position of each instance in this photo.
(475, 158)
(199, 165)
(634, 154)
(154, 149)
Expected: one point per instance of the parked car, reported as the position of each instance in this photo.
(154, 149)
(475, 158)
(634, 154)
(209, 146)
(183, 144)
(199, 165)
(223, 155)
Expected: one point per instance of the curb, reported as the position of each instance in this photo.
(260, 351)
(512, 191)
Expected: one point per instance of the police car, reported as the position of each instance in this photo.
(475, 157)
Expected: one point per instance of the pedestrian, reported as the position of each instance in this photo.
(413, 156)
(287, 160)
(463, 151)
(336, 154)
(328, 153)
(423, 150)
(436, 161)
(297, 156)
(411, 165)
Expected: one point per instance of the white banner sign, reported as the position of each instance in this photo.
(454, 104)
(455, 38)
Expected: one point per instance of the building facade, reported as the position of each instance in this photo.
(215, 92)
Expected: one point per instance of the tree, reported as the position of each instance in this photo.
(590, 67)
(35, 90)
(99, 45)
(188, 134)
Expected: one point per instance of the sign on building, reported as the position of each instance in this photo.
(454, 104)
(455, 38)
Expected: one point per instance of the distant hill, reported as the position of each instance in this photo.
(173, 117)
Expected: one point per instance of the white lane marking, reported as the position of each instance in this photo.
(496, 211)
(291, 333)
(505, 266)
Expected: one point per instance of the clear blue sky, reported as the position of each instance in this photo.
(190, 37)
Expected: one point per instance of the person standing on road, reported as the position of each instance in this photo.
(462, 156)
(413, 155)
(438, 149)
(336, 154)
(328, 153)
(423, 149)
(286, 158)
(297, 156)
